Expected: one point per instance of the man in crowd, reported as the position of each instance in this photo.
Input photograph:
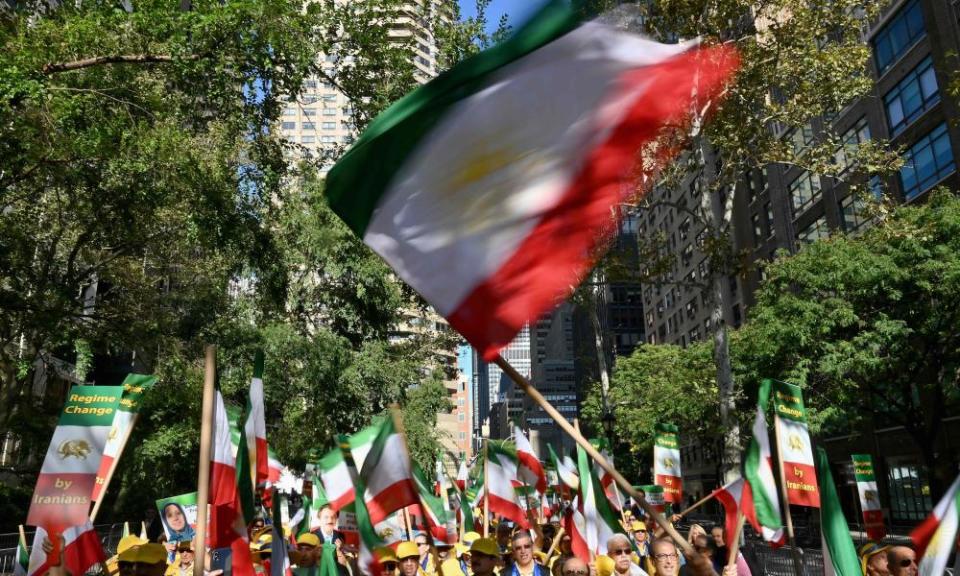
(574, 566)
(484, 553)
(566, 551)
(873, 559)
(409, 559)
(388, 560)
(523, 563)
(666, 559)
(422, 541)
(327, 531)
(620, 551)
(902, 561)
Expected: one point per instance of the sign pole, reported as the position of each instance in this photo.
(794, 552)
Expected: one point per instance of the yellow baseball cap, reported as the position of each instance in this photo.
(148, 553)
(867, 551)
(486, 546)
(128, 541)
(604, 565)
(407, 549)
(637, 526)
(469, 537)
(309, 539)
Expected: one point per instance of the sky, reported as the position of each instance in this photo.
(516, 10)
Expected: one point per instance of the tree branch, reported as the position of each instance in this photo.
(55, 67)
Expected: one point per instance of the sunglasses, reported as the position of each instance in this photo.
(389, 565)
(618, 552)
(906, 562)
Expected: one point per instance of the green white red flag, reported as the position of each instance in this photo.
(566, 470)
(593, 520)
(869, 497)
(22, 557)
(666, 462)
(490, 189)
(67, 477)
(935, 538)
(255, 427)
(228, 526)
(369, 540)
(431, 505)
(529, 470)
(794, 446)
(81, 550)
(383, 464)
(501, 477)
(758, 472)
(839, 554)
(337, 480)
(134, 387)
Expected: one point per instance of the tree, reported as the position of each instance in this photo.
(799, 61)
(867, 326)
(657, 384)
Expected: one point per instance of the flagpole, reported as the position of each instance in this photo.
(486, 492)
(794, 553)
(698, 503)
(733, 544)
(23, 537)
(537, 397)
(554, 545)
(206, 443)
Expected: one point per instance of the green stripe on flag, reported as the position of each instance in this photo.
(767, 512)
(356, 183)
(840, 556)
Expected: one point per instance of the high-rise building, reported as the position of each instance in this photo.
(492, 386)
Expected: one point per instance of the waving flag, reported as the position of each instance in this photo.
(501, 474)
(337, 481)
(255, 428)
(486, 189)
(530, 470)
(935, 537)
(566, 470)
(81, 550)
(228, 524)
(134, 387)
(380, 454)
(839, 553)
(758, 471)
(599, 520)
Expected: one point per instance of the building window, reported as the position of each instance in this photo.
(768, 210)
(329, 111)
(329, 125)
(814, 232)
(853, 212)
(309, 84)
(306, 139)
(912, 96)
(804, 191)
(801, 138)
(850, 142)
(309, 126)
(309, 112)
(927, 162)
(737, 316)
(289, 125)
(289, 111)
(757, 229)
(898, 36)
(327, 139)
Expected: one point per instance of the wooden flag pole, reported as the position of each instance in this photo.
(206, 443)
(794, 552)
(537, 397)
(23, 537)
(407, 524)
(554, 545)
(486, 492)
(733, 544)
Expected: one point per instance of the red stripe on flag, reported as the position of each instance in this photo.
(508, 509)
(262, 463)
(84, 552)
(802, 486)
(923, 534)
(392, 498)
(106, 462)
(562, 247)
(343, 501)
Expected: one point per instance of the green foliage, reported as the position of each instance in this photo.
(420, 419)
(867, 325)
(657, 384)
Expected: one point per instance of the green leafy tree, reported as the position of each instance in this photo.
(657, 384)
(867, 326)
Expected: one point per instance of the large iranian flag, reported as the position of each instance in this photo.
(869, 497)
(936, 537)
(486, 190)
(794, 446)
(255, 427)
(758, 472)
(337, 479)
(134, 387)
(383, 464)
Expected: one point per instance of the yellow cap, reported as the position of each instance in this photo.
(144, 554)
(407, 549)
(309, 539)
(469, 537)
(451, 567)
(486, 546)
(637, 525)
(127, 541)
(867, 551)
(385, 554)
(460, 548)
(605, 565)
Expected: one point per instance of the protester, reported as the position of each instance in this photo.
(566, 551)
(143, 560)
(484, 553)
(873, 559)
(574, 566)
(620, 551)
(327, 531)
(722, 555)
(423, 550)
(639, 530)
(409, 559)
(185, 559)
(523, 563)
(387, 559)
(666, 559)
(902, 561)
